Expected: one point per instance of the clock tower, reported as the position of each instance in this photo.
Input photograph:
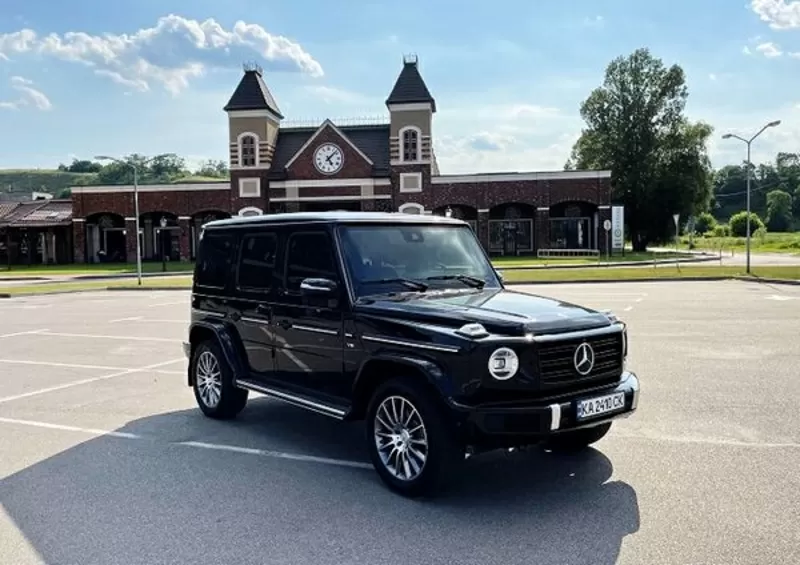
(253, 122)
(411, 108)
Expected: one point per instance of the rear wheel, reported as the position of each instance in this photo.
(410, 440)
(570, 442)
(214, 391)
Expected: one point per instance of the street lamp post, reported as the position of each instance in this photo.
(135, 209)
(749, 142)
(163, 223)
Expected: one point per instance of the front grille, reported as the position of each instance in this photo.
(557, 367)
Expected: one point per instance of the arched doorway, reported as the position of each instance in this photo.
(573, 225)
(511, 228)
(105, 238)
(161, 236)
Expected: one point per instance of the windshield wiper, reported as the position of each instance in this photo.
(408, 283)
(466, 279)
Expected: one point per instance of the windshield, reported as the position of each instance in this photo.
(389, 258)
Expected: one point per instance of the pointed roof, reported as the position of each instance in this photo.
(409, 87)
(252, 94)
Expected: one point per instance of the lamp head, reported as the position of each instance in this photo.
(773, 124)
(727, 136)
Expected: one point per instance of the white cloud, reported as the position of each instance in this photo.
(712, 77)
(28, 96)
(780, 14)
(333, 95)
(596, 21)
(171, 53)
(769, 50)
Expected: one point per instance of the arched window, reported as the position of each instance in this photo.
(411, 208)
(248, 150)
(409, 139)
(250, 211)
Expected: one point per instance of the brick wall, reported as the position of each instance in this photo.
(354, 166)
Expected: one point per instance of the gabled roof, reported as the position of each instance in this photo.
(39, 214)
(6, 208)
(409, 87)
(252, 94)
(371, 140)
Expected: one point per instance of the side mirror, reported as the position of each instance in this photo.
(317, 287)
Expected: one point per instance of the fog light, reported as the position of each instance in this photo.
(503, 364)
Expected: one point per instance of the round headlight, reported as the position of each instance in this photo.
(503, 364)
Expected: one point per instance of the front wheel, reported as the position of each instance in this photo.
(570, 442)
(411, 442)
(213, 386)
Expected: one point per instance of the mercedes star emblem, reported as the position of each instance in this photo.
(583, 358)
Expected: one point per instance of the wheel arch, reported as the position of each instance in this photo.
(228, 343)
(380, 368)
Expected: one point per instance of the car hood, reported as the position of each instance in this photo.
(500, 311)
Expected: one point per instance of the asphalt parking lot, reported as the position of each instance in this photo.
(104, 458)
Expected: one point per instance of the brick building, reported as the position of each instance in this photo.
(385, 167)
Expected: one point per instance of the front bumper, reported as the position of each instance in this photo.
(541, 420)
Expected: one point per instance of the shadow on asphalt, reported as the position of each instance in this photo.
(129, 501)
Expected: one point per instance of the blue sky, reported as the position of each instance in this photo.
(151, 76)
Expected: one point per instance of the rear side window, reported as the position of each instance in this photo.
(257, 262)
(214, 259)
(309, 255)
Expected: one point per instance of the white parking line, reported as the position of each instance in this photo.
(185, 301)
(30, 332)
(93, 336)
(91, 431)
(196, 444)
(89, 380)
(81, 366)
(133, 319)
(277, 454)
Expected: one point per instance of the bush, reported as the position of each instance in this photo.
(738, 223)
(721, 230)
(705, 223)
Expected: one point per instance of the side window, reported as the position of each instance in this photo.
(257, 262)
(309, 255)
(214, 260)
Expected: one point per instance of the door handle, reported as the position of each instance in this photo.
(264, 310)
(284, 324)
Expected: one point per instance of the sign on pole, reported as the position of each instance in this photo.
(607, 225)
(676, 217)
(617, 227)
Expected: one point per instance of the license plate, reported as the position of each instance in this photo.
(592, 407)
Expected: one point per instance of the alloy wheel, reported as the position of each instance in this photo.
(209, 379)
(401, 438)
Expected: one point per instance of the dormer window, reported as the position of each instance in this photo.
(248, 150)
(410, 144)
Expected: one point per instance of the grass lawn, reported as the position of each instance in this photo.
(92, 269)
(44, 288)
(771, 243)
(504, 262)
(636, 273)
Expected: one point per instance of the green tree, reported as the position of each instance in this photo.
(705, 223)
(738, 223)
(636, 128)
(779, 210)
(796, 206)
(213, 168)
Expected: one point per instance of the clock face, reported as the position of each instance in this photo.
(328, 158)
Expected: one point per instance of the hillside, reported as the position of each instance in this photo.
(25, 181)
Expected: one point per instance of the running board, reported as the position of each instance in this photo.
(300, 401)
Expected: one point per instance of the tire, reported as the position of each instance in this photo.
(443, 452)
(220, 399)
(572, 442)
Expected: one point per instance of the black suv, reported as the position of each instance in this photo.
(402, 321)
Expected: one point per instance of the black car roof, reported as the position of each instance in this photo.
(335, 217)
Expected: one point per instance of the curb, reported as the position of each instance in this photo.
(133, 275)
(616, 281)
(23, 278)
(717, 278)
(144, 288)
(611, 265)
